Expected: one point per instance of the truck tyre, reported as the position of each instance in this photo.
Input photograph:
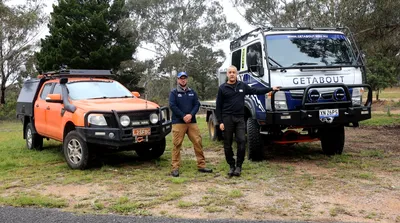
(33, 140)
(212, 129)
(332, 140)
(254, 140)
(76, 151)
(153, 151)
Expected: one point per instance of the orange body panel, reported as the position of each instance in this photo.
(50, 122)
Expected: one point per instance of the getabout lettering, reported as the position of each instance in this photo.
(318, 80)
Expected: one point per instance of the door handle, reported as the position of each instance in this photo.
(48, 108)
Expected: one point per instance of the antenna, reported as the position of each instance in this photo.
(145, 98)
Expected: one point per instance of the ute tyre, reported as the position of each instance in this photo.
(76, 151)
(332, 140)
(33, 140)
(254, 140)
(153, 151)
(212, 129)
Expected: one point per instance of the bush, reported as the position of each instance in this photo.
(8, 110)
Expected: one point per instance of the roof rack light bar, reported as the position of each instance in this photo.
(80, 72)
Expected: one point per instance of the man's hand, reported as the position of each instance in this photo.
(276, 88)
(187, 118)
(222, 126)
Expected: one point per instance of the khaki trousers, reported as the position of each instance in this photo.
(178, 134)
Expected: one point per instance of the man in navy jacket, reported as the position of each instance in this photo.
(184, 104)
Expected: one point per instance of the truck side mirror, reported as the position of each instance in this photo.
(54, 98)
(136, 94)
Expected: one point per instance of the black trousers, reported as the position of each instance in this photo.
(234, 125)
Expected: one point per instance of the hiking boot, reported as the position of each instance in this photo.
(205, 170)
(231, 170)
(175, 173)
(237, 171)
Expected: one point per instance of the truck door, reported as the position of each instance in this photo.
(40, 110)
(54, 117)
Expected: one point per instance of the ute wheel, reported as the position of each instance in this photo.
(76, 151)
(33, 140)
(332, 140)
(212, 129)
(153, 151)
(254, 140)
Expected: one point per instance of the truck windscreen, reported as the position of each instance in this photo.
(310, 49)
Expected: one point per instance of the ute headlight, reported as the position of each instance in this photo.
(280, 101)
(124, 120)
(97, 119)
(356, 96)
(153, 118)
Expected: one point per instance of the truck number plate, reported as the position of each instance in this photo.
(326, 113)
(141, 132)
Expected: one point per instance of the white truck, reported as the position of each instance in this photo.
(322, 75)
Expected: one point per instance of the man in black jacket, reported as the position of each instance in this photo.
(230, 115)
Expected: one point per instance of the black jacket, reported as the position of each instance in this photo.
(182, 103)
(230, 98)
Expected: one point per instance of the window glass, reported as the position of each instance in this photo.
(310, 49)
(236, 59)
(57, 89)
(45, 91)
(97, 90)
(254, 57)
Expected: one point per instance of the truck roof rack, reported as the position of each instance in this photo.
(78, 73)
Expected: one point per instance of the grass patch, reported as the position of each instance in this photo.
(24, 200)
(235, 193)
(337, 211)
(185, 204)
(382, 119)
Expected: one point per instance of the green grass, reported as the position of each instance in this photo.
(382, 119)
(125, 184)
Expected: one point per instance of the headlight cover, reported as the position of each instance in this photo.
(280, 101)
(356, 96)
(97, 119)
(153, 118)
(124, 120)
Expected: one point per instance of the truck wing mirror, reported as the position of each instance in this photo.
(54, 98)
(136, 94)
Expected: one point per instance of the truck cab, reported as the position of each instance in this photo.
(321, 73)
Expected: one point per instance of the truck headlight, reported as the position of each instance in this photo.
(124, 120)
(97, 119)
(280, 101)
(356, 96)
(153, 118)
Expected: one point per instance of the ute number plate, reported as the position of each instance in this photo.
(328, 113)
(141, 132)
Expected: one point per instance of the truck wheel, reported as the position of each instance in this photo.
(212, 129)
(332, 140)
(76, 151)
(33, 140)
(153, 151)
(254, 140)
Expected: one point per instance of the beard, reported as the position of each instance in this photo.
(183, 85)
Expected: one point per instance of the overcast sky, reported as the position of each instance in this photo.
(231, 13)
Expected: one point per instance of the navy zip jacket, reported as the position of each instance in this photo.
(230, 98)
(182, 103)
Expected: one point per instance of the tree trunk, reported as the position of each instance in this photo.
(3, 96)
(377, 95)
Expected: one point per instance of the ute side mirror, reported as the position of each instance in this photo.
(136, 94)
(54, 98)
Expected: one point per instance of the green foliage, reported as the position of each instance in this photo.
(381, 73)
(203, 65)
(88, 35)
(19, 26)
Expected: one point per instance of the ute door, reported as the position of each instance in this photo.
(54, 115)
(40, 110)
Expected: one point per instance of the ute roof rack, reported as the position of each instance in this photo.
(77, 73)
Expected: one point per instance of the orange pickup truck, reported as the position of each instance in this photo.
(89, 112)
